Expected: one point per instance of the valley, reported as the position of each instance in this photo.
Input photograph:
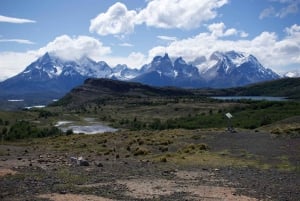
(150, 100)
(171, 144)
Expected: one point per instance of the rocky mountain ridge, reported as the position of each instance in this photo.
(53, 77)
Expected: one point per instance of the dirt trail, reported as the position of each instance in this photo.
(73, 197)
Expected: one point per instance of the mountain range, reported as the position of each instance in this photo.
(50, 77)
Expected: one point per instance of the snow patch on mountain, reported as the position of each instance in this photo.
(221, 69)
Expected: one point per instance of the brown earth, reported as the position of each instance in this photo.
(257, 166)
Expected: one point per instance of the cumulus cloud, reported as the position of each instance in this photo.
(66, 47)
(267, 47)
(12, 63)
(181, 14)
(116, 20)
(70, 48)
(218, 30)
(15, 20)
(133, 60)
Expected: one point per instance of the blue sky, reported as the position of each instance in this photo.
(133, 31)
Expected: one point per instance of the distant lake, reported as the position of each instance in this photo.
(256, 98)
(35, 106)
(15, 100)
(91, 127)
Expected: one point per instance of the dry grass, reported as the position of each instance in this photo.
(73, 197)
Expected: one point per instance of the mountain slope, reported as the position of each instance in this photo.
(51, 77)
(230, 69)
(236, 69)
(44, 76)
(97, 89)
(285, 87)
(162, 72)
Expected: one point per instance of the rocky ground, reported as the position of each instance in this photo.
(245, 166)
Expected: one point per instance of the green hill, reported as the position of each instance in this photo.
(103, 89)
(285, 87)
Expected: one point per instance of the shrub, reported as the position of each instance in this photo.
(140, 151)
(163, 159)
(25, 129)
(193, 148)
(69, 132)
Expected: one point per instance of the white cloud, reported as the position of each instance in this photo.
(167, 38)
(291, 8)
(73, 48)
(243, 34)
(267, 12)
(181, 14)
(116, 20)
(293, 30)
(12, 63)
(69, 48)
(288, 7)
(219, 30)
(272, 52)
(15, 20)
(133, 60)
(21, 41)
(126, 45)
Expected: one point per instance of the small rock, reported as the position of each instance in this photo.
(98, 164)
(83, 163)
(73, 160)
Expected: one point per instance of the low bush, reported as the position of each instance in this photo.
(25, 129)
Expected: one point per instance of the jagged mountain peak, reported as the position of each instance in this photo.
(50, 73)
(180, 61)
(229, 55)
(85, 60)
(46, 57)
(236, 69)
(158, 59)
